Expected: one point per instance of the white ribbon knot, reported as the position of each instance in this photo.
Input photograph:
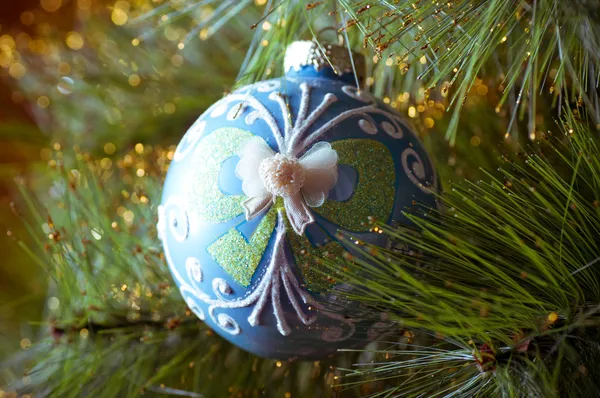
(302, 183)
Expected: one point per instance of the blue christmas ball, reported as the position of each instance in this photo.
(258, 188)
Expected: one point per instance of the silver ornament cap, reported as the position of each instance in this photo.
(335, 57)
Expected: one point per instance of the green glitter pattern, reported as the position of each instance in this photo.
(314, 274)
(375, 188)
(206, 200)
(240, 258)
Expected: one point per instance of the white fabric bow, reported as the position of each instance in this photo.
(302, 183)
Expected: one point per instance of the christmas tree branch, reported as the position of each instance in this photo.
(532, 46)
(505, 272)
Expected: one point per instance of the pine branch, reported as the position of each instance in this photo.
(507, 272)
(525, 51)
(533, 47)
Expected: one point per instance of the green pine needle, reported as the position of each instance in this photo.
(533, 47)
(509, 264)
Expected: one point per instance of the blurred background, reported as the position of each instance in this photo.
(21, 285)
(74, 78)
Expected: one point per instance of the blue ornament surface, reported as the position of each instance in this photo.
(255, 282)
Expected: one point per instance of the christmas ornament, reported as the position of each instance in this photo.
(258, 188)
